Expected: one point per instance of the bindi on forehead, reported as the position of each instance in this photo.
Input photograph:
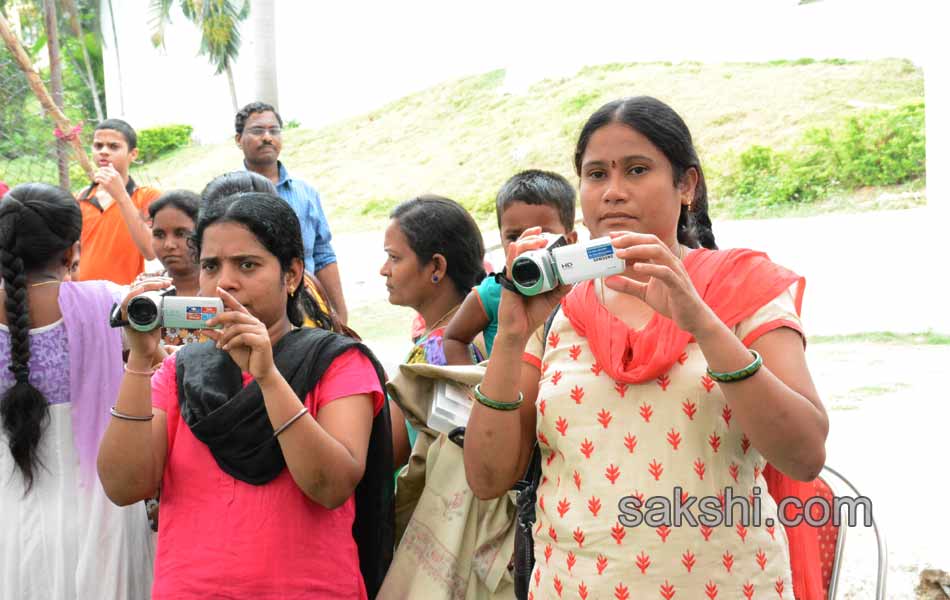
(613, 164)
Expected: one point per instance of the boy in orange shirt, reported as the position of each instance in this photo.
(116, 238)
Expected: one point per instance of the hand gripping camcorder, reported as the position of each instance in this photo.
(163, 309)
(538, 271)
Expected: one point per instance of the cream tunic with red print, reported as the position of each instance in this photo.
(602, 440)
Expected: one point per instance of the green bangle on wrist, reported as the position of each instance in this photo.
(743, 373)
(485, 400)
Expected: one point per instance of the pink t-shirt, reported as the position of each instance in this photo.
(223, 538)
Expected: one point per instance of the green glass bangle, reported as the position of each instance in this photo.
(483, 399)
(743, 373)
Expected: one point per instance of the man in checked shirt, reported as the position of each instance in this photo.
(258, 128)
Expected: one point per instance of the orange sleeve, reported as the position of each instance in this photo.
(534, 350)
(144, 196)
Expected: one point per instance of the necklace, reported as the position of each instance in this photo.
(435, 325)
(46, 276)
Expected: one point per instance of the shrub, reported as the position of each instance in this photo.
(884, 147)
(156, 141)
(879, 148)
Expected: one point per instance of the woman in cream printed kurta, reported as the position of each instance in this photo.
(602, 440)
(621, 403)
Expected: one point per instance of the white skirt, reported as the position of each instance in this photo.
(63, 541)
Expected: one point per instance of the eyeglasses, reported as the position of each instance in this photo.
(259, 131)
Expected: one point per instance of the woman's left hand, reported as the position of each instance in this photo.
(667, 289)
(243, 336)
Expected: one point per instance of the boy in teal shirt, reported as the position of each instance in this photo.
(529, 199)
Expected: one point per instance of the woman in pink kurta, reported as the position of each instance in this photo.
(265, 439)
(624, 408)
(268, 541)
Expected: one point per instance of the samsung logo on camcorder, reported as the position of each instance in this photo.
(600, 252)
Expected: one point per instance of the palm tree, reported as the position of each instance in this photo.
(219, 22)
(73, 11)
(265, 51)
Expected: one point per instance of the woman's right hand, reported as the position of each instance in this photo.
(520, 316)
(143, 343)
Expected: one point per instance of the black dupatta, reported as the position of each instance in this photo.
(232, 421)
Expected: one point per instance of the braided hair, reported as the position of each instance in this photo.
(38, 223)
(666, 130)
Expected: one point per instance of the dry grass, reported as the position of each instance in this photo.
(463, 138)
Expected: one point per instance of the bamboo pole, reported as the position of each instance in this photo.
(36, 84)
(56, 83)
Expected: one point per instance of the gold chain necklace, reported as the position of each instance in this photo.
(52, 279)
(435, 325)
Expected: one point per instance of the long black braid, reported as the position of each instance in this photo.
(38, 223)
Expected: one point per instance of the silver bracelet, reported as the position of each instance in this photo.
(290, 421)
(126, 417)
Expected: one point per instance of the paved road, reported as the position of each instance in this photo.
(865, 272)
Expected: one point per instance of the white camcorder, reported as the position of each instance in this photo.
(538, 271)
(163, 309)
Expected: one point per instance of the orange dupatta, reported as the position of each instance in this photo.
(735, 284)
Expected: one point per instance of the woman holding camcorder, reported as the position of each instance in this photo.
(270, 441)
(681, 377)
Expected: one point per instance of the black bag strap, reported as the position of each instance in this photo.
(527, 489)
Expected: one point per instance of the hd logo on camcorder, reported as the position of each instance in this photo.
(200, 313)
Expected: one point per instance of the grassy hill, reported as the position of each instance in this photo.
(463, 138)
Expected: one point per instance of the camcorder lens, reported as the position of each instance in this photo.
(526, 272)
(142, 311)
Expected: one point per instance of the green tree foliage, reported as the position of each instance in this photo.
(156, 141)
(219, 22)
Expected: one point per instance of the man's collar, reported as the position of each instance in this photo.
(130, 188)
(282, 175)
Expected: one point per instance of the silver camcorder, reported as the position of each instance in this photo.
(162, 309)
(541, 270)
